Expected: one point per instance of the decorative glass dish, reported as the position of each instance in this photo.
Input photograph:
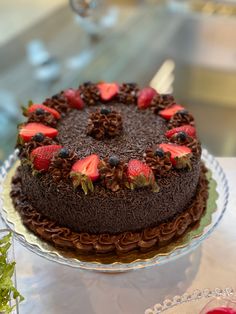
(198, 302)
(217, 202)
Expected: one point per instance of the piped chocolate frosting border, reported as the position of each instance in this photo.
(85, 243)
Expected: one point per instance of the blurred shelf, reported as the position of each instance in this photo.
(203, 49)
(214, 7)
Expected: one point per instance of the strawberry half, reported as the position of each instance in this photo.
(84, 172)
(108, 90)
(145, 97)
(140, 175)
(73, 98)
(170, 111)
(27, 131)
(179, 155)
(32, 108)
(188, 129)
(41, 156)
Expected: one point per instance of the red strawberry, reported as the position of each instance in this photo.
(140, 175)
(85, 171)
(41, 156)
(179, 155)
(27, 131)
(145, 97)
(34, 107)
(108, 90)
(170, 111)
(188, 129)
(74, 99)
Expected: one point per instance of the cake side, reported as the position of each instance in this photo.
(122, 243)
(105, 211)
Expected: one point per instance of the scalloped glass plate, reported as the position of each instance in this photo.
(198, 302)
(217, 202)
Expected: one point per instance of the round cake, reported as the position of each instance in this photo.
(109, 168)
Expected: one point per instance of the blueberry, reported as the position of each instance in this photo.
(183, 112)
(114, 161)
(105, 111)
(38, 137)
(159, 152)
(39, 111)
(87, 83)
(131, 84)
(64, 153)
(182, 136)
(56, 96)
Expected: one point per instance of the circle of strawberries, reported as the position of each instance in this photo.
(85, 171)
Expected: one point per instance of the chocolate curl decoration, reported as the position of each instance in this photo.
(113, 177)
(89, 93)
(160, 166)
(45, 118)
(161, 101)
(195, 146)
(189, 141)
(60, 167)
(102, 126)
(182, 117)
(128, 93)
(57, 102)
(26, 148)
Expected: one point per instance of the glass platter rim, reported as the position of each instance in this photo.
(188, 297)
(159, 259)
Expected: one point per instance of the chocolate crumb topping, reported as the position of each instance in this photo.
(89, 93)
(128, 93)
(45, 118)
(27, 147)
(57, 102)
(190, 142)
(180, 119)
(195, 146)
(101, 125)
(113, 177)
(161, 101)
(60, 167)
(160, 165)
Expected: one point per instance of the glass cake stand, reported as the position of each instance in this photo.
(217, 202)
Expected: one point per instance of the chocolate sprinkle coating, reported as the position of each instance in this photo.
(141, 129)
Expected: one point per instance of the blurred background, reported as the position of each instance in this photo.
(188, 47)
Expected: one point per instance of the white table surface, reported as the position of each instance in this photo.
(52, 288)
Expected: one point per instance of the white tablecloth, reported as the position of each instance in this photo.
(52, 288)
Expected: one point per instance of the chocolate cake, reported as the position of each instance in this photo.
(109, 168)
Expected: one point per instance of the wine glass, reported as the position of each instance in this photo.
(94, 16)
